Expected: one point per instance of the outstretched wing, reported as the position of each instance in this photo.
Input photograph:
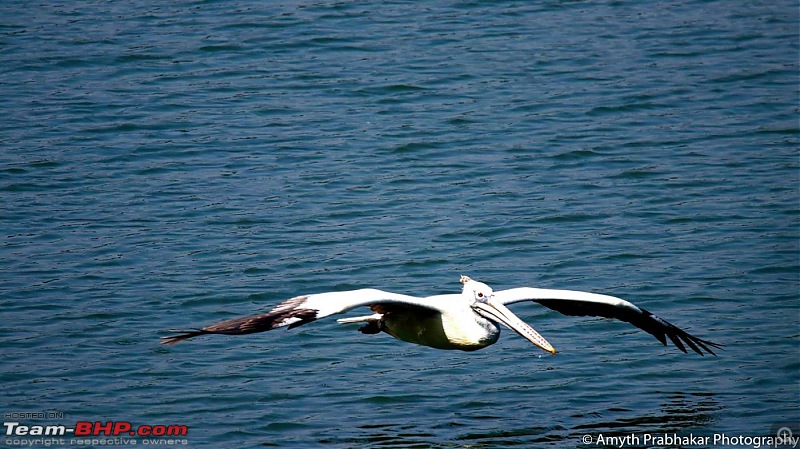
(301, 310)
(575, 303)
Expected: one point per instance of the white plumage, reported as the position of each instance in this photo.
(467, 321)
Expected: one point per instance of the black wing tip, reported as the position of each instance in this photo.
(288, 313)
(182, 335)
(698, 345)
(677, 335)
(705, 345)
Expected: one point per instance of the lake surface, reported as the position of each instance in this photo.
(171, 166)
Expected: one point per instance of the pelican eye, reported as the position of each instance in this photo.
(480, 295)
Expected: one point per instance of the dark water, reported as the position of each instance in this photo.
(169, 166)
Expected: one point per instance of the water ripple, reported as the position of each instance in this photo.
(166, 166)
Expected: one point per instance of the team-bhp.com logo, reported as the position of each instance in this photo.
(83, 432)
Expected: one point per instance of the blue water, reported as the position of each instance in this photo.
(169, 166)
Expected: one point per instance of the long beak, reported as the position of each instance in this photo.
(495, 311)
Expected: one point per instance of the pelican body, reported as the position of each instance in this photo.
(467, 321)
(456, 325)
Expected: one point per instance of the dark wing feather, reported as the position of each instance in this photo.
(277, 317)
(641, 318)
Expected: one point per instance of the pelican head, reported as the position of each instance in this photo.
(478, 291)
(482, 301)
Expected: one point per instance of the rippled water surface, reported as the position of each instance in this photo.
(168, 166)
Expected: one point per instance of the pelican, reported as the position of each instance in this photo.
(467, 321)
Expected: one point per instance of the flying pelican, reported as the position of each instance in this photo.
(466, 321)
